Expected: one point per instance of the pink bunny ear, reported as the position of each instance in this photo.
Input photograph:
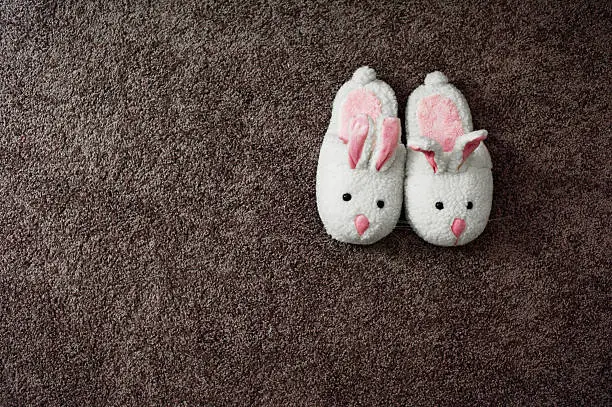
(358, 102)
(357, 135)
(429, 148)
(468, 143)
(387, 141)
(439, 120)
(473, 145)
(429, 156)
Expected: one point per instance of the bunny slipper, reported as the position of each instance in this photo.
(361, 162)
(448, 185)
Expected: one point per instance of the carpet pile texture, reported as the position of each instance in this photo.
(159, 239)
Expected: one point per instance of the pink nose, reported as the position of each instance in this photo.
(458, 227)
(361, 224)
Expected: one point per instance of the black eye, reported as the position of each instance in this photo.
(380, 204)
(346, 197)
(439, 205)
(470, 205)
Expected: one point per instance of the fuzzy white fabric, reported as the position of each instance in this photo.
(365, 184)
(455, 183)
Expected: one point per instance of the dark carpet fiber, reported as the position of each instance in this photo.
(159, 238)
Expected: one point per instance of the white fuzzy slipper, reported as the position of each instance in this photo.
(448, 186)
(361, 163)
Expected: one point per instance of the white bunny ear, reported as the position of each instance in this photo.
(432, 151)
(387, 140)
(360, 140)
(467, 144)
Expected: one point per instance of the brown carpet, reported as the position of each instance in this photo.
(159, 239)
